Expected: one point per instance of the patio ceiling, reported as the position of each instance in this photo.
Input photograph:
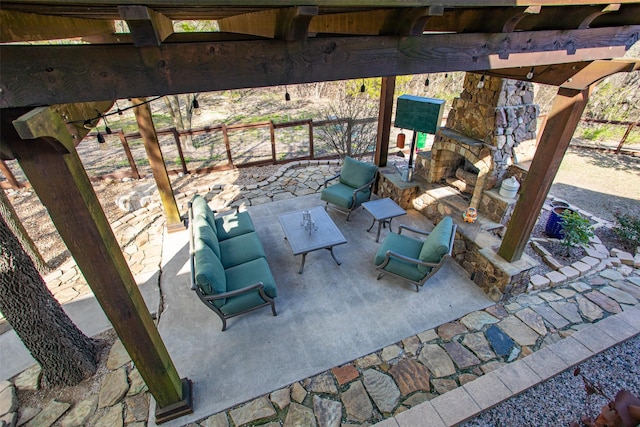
(268, 43)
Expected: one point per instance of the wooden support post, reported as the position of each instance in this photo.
(156, 160)
(624, 137)
(11, 178)
(227, 145)
(127, 150)
(272, 134)
(384, 120)
(176, 137)
(554, 140)
(51, 163)
(312, 154)
(349, 132)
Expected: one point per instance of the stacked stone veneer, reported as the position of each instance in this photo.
(484, 126)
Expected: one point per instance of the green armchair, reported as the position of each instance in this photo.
(354, 186)
(415, 260)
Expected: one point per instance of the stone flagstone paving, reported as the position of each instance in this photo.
(371, 388)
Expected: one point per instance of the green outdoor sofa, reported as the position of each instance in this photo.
(415, 260)
(229, 271)
(354, 186)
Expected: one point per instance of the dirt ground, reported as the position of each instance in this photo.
(599, 182)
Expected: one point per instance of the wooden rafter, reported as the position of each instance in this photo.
(18, 26)
(287, 24)
(330, 17)
(51, 74)
(148, 27)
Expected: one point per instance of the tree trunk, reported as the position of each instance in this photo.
(13, 221)
(66, 355)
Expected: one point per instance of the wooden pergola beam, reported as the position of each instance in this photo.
(18, 26)
(47, 155)
(148, 27)
(42, 75)
(76, 120)
(147, 129)
(553, 142)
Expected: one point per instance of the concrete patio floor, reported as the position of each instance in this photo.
(327, 316)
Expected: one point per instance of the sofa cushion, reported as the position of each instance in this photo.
(342, 195)
(203, 233)
(240, 249)
(436, 244)
(232, 225)
(355, 173)
(200, 207)
(209, 273)
(244, 275)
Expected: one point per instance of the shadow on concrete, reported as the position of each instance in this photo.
(327, 316)
(86, 313)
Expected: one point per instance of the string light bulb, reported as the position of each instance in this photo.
(287, 97)
(481, 82)
(446, 75)
(100, 138)
(195, 105)
(530, 74)
(362, 87)
(107, 129)
(426, 82)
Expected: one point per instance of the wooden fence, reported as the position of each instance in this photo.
(212, 148)
(202, 150)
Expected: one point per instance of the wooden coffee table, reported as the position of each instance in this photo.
(302, 242)
(383, 211)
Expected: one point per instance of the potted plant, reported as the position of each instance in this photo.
(576, 230)
(553, 227)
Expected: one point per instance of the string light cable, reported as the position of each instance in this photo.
(89, 122)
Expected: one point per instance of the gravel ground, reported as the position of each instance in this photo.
(562, 399)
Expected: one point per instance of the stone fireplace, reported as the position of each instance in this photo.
(484, 128)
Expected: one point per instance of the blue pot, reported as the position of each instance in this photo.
(555, 223)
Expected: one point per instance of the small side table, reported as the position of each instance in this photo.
(383, 211)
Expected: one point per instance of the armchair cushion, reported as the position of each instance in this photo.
(355, 173)
(342, 195)
(436, 244)
(406, 246)
(209, 273)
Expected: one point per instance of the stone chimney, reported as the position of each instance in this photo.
(486, 123)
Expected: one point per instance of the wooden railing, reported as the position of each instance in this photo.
(629, 125)
(173, 140)
(173, 143)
